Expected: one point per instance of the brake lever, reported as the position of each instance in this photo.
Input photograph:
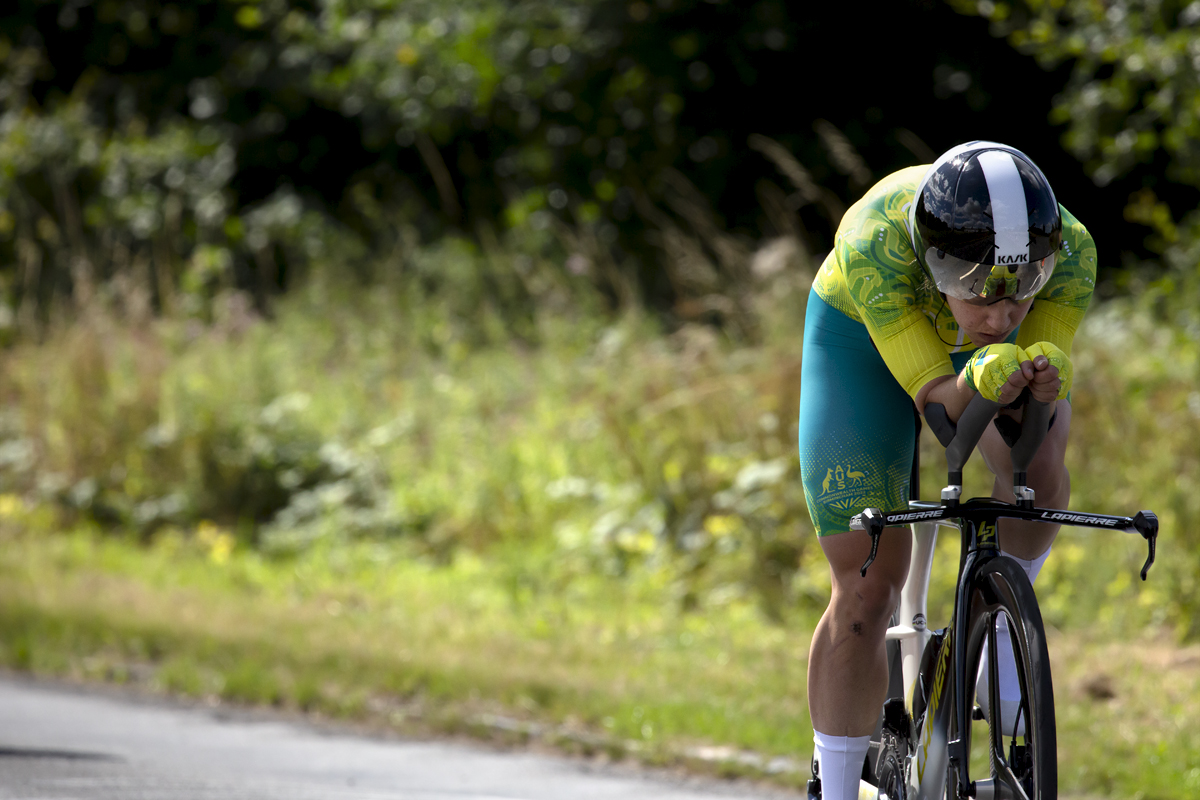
(1146, 523)
(871, 521)
(1149, 556)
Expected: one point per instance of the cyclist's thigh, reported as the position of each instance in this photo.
(856, 422)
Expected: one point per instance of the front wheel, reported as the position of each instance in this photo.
(1018, 737)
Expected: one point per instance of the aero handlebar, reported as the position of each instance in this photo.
(960, 440)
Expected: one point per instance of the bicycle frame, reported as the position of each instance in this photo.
(928, 751)
(932, 750)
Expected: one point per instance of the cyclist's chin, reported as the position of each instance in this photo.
(983, 338)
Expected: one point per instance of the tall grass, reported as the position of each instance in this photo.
(581, 441)
(383, 414)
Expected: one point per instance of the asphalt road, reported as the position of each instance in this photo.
(66, 743)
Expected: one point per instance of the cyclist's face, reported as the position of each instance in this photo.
(988, 323)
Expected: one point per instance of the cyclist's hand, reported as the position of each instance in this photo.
(1053, 372)
(996, 372)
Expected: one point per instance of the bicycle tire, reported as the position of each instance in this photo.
(1026, 765)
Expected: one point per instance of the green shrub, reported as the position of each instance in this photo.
(582, 445)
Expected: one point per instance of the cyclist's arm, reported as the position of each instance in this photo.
(1050, 322)
(951, 391)
(909, 345)
(1060, 305)
(882, 284)
(954, 392)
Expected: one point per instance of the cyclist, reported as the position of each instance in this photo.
(945, 280)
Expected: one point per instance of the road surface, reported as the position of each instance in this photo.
(62, 743)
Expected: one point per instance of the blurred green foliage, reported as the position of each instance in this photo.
(153, 140)
(393, 416)
(464, 390)
(192, 148)
(390, 415)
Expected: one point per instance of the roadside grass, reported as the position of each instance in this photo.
(365, 633)
(601, 668)
(587, 533)
(1128, 714)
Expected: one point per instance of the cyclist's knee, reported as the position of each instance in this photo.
(872, 598)
(869, 601)
(1050, 480)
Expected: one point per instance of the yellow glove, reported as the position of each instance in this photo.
(990, 366)
(1058, 359)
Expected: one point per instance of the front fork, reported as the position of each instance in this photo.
(935, 751)
(985, 545)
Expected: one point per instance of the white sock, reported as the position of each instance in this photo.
(841, 759)
(1010, 685)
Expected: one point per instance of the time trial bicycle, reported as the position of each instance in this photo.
(923, 745)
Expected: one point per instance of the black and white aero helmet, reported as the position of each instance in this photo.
(985, 223)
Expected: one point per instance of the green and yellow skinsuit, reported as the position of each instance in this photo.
(877, 330)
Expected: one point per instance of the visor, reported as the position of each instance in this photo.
(967, 280)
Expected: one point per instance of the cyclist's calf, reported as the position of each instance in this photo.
(847, 663)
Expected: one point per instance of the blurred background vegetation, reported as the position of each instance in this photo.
(368, 354)
(527, 279)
